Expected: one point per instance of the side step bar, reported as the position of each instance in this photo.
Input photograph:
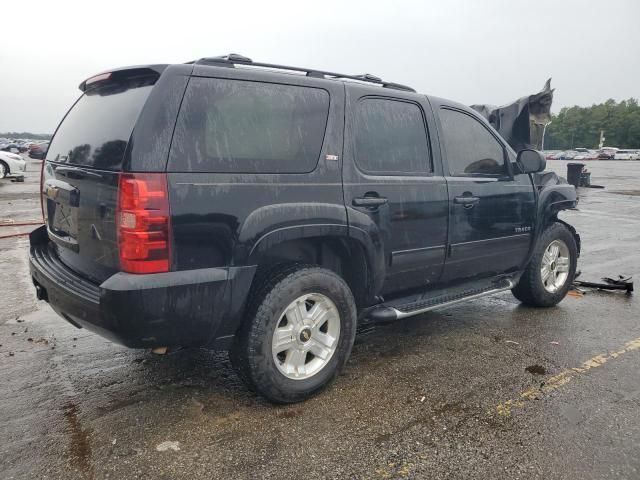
(390, 313)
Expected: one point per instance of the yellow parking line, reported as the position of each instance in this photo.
(554, 383)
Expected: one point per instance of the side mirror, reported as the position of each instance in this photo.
(530, 161)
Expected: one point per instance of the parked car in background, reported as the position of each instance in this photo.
(11, 164)
(584, 154)
(9, 147)
(626, 155)
(568, 155)
(38, 151)
(606, 153)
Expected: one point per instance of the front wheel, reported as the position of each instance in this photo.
(548, 277)
(298, 333)
(4, 170)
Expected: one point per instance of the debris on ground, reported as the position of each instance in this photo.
(168, 445)
(620, 283)
(12, 223)
(511, 341)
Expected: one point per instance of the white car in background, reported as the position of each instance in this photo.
(626, 155)
(11, 164)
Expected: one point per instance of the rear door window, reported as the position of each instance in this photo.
(97, 129)
(390, 137)
(249, 127)
(471, 149)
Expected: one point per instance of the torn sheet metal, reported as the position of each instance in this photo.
(522, 122)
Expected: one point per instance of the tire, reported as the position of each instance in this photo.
(4, 170)
(536, 291)
(299, 371)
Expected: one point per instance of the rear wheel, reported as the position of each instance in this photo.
(551, 270)
(4, 169)
(298, 333)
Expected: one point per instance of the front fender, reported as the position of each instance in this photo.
(554, 195)
(552, 199)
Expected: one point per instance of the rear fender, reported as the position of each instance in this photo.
(270, 225)
(290, 225)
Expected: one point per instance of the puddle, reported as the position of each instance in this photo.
(80, 446)
(633, 193)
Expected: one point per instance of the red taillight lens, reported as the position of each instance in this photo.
(143, 223)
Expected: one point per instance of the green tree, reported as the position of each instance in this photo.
(580, 126)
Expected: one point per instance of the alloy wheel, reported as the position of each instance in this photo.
(554, 269)
(306, 336)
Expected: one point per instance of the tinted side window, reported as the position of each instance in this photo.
(250, 127)
(390, 137)
(470, 148)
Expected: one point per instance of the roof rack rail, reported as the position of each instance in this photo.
(234, 58)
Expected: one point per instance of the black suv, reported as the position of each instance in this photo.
(266, 210)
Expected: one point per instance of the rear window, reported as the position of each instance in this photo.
(96, 130)
(249, 127)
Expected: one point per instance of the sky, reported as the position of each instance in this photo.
(471, 51)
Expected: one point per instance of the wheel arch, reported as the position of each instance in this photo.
(323, 245)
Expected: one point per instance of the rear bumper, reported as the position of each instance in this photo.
(187, 308)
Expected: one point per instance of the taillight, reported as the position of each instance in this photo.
(142, 219)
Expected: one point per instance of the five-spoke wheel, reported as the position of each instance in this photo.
(298, 333)
(549, 274)
(306, 336)
(554, 269)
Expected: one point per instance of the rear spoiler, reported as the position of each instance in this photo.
(522, 122)
(121, 74)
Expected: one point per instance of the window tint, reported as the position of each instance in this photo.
(240, 126)
(470, 148)
(390, 137)
(96, 130)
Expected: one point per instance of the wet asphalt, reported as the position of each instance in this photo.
(488, 389)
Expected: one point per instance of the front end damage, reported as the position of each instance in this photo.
(521, 123)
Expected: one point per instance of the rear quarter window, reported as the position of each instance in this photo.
(248, 127)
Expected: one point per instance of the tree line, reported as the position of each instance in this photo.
(29, 135)
(580, 126)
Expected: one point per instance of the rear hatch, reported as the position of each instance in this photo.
(82, 169)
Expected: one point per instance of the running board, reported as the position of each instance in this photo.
(392, 311)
